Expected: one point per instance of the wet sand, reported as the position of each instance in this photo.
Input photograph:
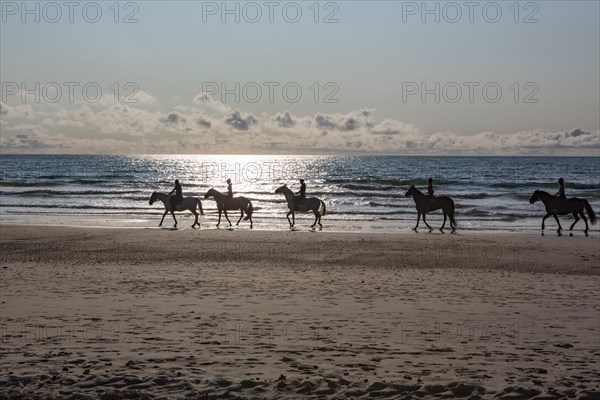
(159, 313)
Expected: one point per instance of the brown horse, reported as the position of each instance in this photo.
(317, 206)
(426, 204)
(235, 203)
(556, 206)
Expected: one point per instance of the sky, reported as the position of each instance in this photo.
(305, 77)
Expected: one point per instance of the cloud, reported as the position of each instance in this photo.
(203, 122)
(284, 120)
(198, 127)
(141, 97)
(206, 101)
(173, 118)
(18, 111)
(239, 122)
(393, 127)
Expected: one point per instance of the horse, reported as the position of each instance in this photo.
(188, 203)
(235, 203)
(427, 204)
(309, 204)
(556, 206)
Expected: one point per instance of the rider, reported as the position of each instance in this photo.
(229, 192)
(561, 189)
(429, 187)
(229, 189)
(301, 194)
(561, 192)
(178, 198)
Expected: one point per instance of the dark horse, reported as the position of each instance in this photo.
(235, 203)
(556, 206)
(425, 204)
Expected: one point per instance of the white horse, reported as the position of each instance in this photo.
(188, 203)
(309, 204)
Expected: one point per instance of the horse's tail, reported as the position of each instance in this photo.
(248, 211)
(323, 207)
(200, 207)
(451, 213)
(590, 212)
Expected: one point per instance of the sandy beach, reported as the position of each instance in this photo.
(219, 314)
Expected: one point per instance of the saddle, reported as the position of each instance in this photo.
(558, 203)
(298, 201)
(430, 202)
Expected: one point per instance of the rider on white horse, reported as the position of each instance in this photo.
(178, 198)
(229, 192)
(301, 194)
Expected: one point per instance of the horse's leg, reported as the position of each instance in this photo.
(559, 227)
(173, 214)
(293, 218)
(586, 224)
(196, 220)
(444, 224)
(425, 221)
(219, 221)
(418, 220)
(544, 220)
(227, 217)
(316, 217)
(163, 218)
(288, 218)
(576, 220)
(241, 215)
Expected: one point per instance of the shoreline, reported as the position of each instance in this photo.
(208, 222)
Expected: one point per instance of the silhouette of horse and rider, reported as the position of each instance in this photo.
(298, 202)
(177, 203)
(226, 202)
(559, 204)
(427, 202)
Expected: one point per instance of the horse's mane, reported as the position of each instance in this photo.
(214, 190)
(415, 188)
(285, 188)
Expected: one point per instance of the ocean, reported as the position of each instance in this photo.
(362, 193)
